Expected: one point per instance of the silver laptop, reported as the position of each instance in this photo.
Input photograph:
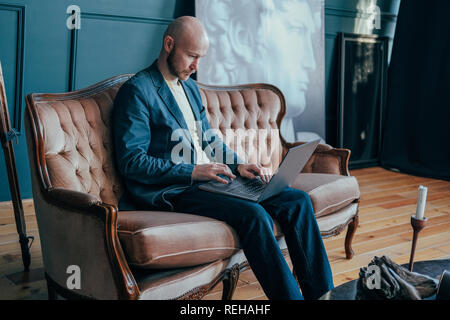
(256, 189)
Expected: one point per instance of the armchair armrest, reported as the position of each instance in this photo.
(73, 199)
(78, 229)
(326, 159)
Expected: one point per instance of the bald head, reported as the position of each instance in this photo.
(185, 42)
(186, 28)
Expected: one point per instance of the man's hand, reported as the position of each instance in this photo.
(210, 171)
(251, 171)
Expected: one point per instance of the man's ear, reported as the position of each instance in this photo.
(169, 43)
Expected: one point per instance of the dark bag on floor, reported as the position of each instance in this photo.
(383, 279)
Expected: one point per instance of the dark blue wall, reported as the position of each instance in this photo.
(40, 54)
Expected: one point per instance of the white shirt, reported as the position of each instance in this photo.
(180, 96)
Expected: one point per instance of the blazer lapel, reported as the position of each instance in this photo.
(172, 105)
(192, 101)
(167, 96)
(196, 107)
(169, 100)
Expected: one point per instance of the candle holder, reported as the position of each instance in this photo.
(417, 225)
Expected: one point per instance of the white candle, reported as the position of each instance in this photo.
(421, 200)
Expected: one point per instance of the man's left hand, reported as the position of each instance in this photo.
(251, 171)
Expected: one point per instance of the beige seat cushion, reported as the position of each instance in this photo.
(328, 192)
(333, 224)
(157, 239)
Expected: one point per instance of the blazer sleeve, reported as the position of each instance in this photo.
(132, 138)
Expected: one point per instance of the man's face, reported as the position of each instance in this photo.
(184, 57)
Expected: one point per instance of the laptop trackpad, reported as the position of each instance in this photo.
(220, 185)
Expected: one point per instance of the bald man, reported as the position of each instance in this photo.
(159, 109)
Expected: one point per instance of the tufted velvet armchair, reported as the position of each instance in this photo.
(153, 254)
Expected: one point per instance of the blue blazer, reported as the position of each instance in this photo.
(153, 150)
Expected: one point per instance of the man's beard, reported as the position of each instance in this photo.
(171, 65)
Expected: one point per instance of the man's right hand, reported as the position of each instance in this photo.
(210, 171)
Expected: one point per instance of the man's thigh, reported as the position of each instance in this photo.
(286, 196)
(231, 210)
(285, 201)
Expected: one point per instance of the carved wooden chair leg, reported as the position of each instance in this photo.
(230, 282)
(352, 226)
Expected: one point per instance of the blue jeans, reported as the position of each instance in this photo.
(293, 210)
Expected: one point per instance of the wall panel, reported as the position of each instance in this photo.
(139, 38)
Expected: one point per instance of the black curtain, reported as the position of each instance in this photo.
(416, 137)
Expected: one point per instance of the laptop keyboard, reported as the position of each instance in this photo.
(252, 188)
(243, 187)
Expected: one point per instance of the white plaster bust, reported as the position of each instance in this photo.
(262, 41)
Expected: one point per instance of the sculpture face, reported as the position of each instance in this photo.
(269, 41)
(290, 53)
(273, 44)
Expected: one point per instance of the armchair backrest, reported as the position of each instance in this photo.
(249, 119)
(73, 140)
(73, 136)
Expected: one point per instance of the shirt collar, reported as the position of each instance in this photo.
(173, 83)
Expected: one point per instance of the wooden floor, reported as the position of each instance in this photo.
(388, 200)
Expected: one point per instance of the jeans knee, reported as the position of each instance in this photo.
(255, 216)
(303, 198)
(298, 206)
